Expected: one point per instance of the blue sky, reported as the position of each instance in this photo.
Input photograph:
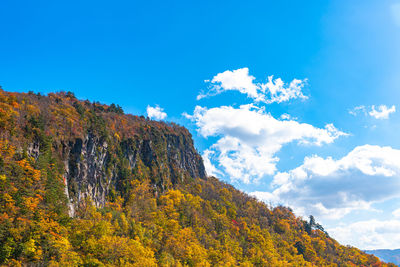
(142, 54)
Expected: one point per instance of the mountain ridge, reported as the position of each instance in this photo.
(386, 255)
(83, 184)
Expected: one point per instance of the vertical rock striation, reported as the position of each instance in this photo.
(92, 169)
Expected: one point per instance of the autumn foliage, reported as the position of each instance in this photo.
(195, 222)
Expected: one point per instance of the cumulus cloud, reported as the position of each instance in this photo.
(249, 138)
(371, 234)
(238, 80)
(210, 168)
(286, 116)
(382, 112)
(156, 113)
(356, 110)
(279, 92)
(396, 213)
(333, 188)
(274, 90)
(379, 112)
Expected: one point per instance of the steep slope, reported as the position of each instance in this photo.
(101, 150)
(84, 184)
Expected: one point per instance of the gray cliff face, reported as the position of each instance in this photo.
(84, 171)
(94, 167)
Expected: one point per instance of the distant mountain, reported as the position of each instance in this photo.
(83, 184)
(387, 255)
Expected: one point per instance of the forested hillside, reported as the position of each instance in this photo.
(82, 184)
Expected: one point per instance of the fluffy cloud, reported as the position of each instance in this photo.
(249, 138)
(332, 188)
(156, 113)
(275, 90)
(357, 110)
(382, 112)
(371, 234)
(286, 116)
(279, 92)
(210, 168)
(396, 213)
(238, 80)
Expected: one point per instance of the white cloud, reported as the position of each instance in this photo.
(371, 234)
(286, 116)
(395, 12)
(156, 113)
(331, 188)
(382, 112)
(396, 213)
(210, 168)
(379, 112)
(357, 110)
(240, 80)
(249, 138)
(278, 92)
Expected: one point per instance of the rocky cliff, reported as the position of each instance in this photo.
(82, 184)
(102, 149)
(92, 169)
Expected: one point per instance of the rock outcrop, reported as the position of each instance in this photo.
(101, 149)
(92, 169)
